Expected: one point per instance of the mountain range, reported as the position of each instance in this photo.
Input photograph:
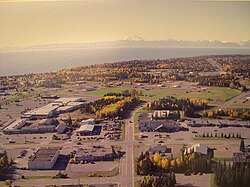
(137, 41)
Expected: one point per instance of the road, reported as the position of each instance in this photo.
(215, 64)
(242, 96)
(126, 175)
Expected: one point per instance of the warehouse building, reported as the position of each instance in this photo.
(95, 153)
(159, 126)
(86, 130)
(44, 158)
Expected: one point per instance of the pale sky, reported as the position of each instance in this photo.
(38, 22)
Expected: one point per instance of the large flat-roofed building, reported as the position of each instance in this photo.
(86, 130)
(47, 111)
(44, 158)
(66, 100)
(95, 153)
(24, 126)
(159, 126)
(58, 106)
(14, 126)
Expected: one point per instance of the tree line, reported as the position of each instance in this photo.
(243, 114)
(168, 180)
(188, 106)
(231, 176)
(194, 162)
(113, 104)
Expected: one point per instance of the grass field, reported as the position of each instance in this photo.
(101, 92)
(217, 95)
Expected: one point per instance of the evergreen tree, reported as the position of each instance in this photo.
(242, 145)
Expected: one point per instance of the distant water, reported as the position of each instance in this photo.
(38, 61)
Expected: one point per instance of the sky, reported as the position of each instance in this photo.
(40, 22)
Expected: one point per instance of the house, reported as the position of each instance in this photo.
(163, 150)
(95, 153)
(44, 158)
(197, 148)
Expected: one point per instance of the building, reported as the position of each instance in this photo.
(197, 148)
(61, 128)
(58, 106)
(95, 153)
(25, 126)
(165, 114)
(241, 157)
(219, 123)
(14, 126)
(163, 150)
(44, 158)
(47, 111)
(89, 121)
(159, 126)
(86, 130)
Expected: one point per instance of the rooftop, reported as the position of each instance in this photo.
(45, 110)
(86, 128)
(94, 151)
(44, 154)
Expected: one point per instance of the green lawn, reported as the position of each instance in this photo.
(215, 94)
(101, 92)
(223, 159)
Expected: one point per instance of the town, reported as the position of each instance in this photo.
(183, 121)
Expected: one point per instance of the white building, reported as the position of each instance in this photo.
(86, 130)
(89, 121)
(197, 148)
(44, 158)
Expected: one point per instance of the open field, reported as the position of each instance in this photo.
(215, 94)
(101, 92)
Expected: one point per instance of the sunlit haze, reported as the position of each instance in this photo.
(25, 23)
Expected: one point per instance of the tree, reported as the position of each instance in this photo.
(242, 145)
(157, 157)
(173, 163)
(165, 164)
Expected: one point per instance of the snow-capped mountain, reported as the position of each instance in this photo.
(133, 37)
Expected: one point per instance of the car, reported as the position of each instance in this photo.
(79, 143)
(161, 141)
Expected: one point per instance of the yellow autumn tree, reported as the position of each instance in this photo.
(157, 157)
(165, 164)
(173, 163)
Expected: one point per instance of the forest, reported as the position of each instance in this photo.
(231, 176)
(194, 162)
(113, 104)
